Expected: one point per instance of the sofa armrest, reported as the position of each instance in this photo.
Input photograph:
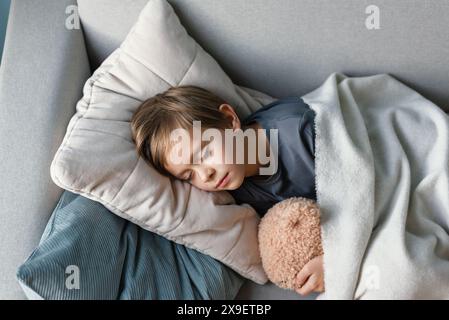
(42, 74)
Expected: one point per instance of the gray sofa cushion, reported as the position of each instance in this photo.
(289, 47)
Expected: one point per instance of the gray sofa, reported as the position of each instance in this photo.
(285, 47)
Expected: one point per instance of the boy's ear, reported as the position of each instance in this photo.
(230, 113)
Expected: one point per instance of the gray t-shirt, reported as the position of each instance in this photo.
(295, 175)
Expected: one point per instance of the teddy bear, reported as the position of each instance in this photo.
(289, 236)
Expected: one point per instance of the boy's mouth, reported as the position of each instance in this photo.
(223, 181)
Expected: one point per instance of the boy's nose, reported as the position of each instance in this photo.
(207, 174)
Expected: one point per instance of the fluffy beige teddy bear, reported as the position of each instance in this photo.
(289, 237)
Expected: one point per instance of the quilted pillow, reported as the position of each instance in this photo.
(97, 157)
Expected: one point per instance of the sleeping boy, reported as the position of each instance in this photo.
(182, 107)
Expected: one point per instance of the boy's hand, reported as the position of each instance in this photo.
(311, 277)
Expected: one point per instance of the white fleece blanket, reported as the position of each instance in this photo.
(382, 179)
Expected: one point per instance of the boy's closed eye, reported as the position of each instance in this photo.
(207, 152)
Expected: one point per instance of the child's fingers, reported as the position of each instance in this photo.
(302, 276)
(309, 286)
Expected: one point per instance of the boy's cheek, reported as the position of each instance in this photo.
(236, 179)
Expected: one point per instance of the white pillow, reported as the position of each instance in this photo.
(98, 160)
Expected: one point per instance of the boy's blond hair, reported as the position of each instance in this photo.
(175, 108)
